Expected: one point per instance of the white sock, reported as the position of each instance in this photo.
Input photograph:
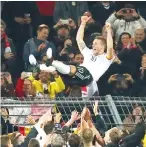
(32, 60)
(49, 53)
(61, 67)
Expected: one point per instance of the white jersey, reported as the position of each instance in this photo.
(97, 65)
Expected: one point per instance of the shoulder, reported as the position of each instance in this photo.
(86, 50)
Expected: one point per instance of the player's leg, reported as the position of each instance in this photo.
(60, 66)
(89, 90)
(63, 68)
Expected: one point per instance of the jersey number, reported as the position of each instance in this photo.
(93, 58)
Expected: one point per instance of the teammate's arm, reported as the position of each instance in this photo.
(110, 50)
(80, 33)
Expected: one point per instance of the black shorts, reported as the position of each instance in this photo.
(81, 78)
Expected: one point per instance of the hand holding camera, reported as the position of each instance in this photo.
(41, 47)
(125, 11)
(7, 76)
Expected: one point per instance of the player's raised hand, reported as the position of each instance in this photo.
(108, 26)
(85, 19)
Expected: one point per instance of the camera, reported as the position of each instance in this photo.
(69, 48)
(127, 10)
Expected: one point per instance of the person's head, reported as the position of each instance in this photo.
(137, 111)
(42, 32)
(87, 136)
(27, 85)
(63, 31)
(115, 135)
(5, 141)
(99, 45)
(78, 58)
(44, 76)
(49, 127)
(4, 112)
(105, 3)
(140, 35)
(17, 138)
(74, 140)
(127, 12)
(3, 27)
(2, 79)
(125, 38)
(57, 141)
(34, 143)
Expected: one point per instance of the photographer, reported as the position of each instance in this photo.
(139, 88)
(120, 84)
(7, 87)
(126, 20)
(68, 51)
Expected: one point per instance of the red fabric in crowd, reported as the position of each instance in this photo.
(4, 36)
(19, 87)
(46, 8)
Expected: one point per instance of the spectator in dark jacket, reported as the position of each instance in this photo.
(7, 52)
(104, 8)
(6, 126)
(139, 88)
(129, 54)
(134, 139)
(38, 46)
(71, 9)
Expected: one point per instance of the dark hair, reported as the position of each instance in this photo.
(119, 44)
(6, 109)
(74, 140)
(43, 26)
(48, 128)
(63, 26)
(34, 143)
(103, 41)
(129, 6)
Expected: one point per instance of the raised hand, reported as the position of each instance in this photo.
(41, 46)
(57, 117)
(75, 115)
(8, 77)
(95, 108)
(108, 26)
(134, 13)
(47, 117)
(120, 13)
(30, 120)
(72, 23)
(8, 55)
(85, 19)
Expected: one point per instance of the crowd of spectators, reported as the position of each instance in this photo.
(30, 28)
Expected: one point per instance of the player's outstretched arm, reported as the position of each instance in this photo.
(110, 50)
(80, 33)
